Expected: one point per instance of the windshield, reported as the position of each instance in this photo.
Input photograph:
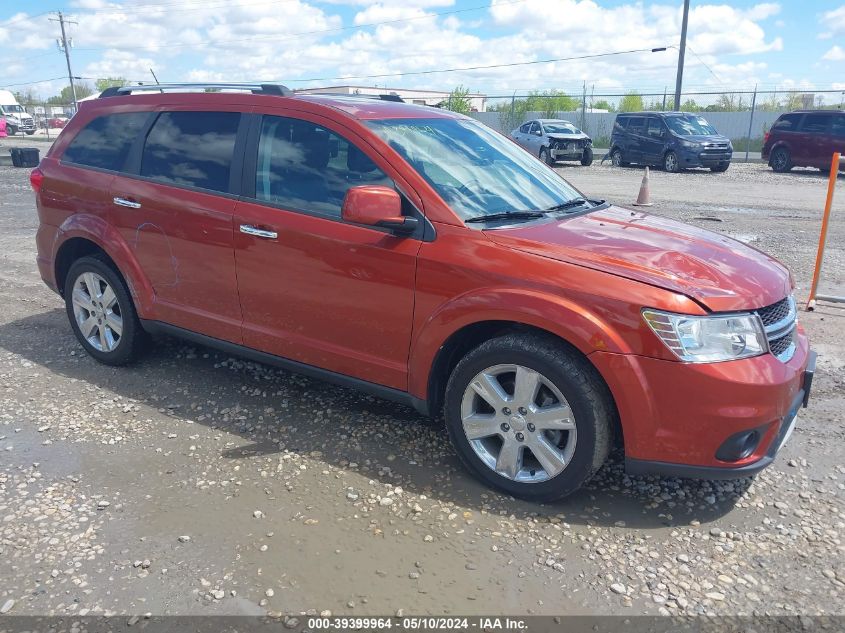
(690, 125)
(474, 169)
(9, 109)
(562, 127)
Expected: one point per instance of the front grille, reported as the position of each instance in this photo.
(779, 324)
(775, 312)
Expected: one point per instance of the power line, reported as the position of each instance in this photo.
(32, 83)
(490, 66)
(26, 19)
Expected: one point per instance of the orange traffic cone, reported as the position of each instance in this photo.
(643, 200)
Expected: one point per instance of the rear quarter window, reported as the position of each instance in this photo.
(105, 141)
(787, 122)
(839, 126)
(192, 149)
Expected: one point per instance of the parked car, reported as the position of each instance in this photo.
(553, 140)
(671, 140)
(805, 138)
(57, 122)
(417, 255)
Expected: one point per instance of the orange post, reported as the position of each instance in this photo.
(828, 205)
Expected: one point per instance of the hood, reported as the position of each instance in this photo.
(568, 137)
(717, 271)
(704, 138)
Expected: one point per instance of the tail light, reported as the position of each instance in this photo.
(36, 177)
(766, 137)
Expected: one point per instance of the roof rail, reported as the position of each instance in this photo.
(381, 97)
(277, 90)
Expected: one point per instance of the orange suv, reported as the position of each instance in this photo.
(417, 255)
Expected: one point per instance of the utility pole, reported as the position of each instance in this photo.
(584, 106)
(66, 49)
(681, 50)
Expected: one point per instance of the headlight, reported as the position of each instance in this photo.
(690, 144)
(709, 339)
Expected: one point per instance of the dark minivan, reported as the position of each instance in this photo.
(671, 140)
(805, 138)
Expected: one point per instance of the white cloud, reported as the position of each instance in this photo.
(835, 54)
(833, 22)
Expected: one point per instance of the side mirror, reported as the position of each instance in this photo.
(376, 205)
(539, 132)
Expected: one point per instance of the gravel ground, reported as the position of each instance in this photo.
(195, 483)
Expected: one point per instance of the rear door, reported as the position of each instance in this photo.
(175, 209)
(634, 134)
(652, 141)
(533, 139)
(521, 134)
(816, 141)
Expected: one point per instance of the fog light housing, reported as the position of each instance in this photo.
(740, 445)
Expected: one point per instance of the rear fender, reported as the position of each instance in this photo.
(104, 235)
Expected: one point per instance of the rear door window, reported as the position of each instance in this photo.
(525, 127)
(636, 124)
(105, 142)
(816, 123)
(788, 122)
(304, 166)
(620, 124)
(191, 149)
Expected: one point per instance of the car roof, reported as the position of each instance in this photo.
(553, 121)
(357, 107)
(659, 113)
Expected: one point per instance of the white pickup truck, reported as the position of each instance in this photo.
(17, 119)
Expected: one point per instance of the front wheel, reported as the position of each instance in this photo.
(546, 156)
(616, 158)
(587, 157)
(101, 312)
(12, 130)
(670, 162)
(530, 416)
(30, 132)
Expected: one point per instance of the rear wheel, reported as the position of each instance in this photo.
(587, 157)
(529, 416)
(101, 312)
(781, 161)
(670, 162)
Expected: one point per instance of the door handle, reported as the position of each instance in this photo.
(129, 204)
(251, 230)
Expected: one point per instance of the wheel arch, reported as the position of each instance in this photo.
(83, 235)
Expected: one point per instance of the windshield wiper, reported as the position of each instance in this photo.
(507, 215)
(575, 202)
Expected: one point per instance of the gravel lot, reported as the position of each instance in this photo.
(194, 483)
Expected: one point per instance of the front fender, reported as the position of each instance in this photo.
(106, 236)
(574, 323)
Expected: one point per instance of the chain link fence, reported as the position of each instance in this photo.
(39, 120)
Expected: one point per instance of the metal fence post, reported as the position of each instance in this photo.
(750, 122)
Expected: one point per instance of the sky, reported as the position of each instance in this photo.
(787, 45)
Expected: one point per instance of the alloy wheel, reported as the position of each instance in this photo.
(518, 423)
(616, 158)
(670, 163)
(97, 312)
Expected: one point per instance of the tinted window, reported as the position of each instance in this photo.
(839, 126)
(302, 165)
(106, 140)
(787, 122)
(636, 124)
(816, 123)
(191, 148)
(620, 124)
(655, 127)
(525, 127)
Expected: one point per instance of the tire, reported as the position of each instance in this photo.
(616, 158)
(546, 156)
(587, 157)
(30, 133)
(780, 160)
(671, 163)
(12, 130)
(720, 168)
(558, 372)
(129, 339)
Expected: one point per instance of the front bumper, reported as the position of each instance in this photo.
(704, 157)
(676, 417)
(572, 151)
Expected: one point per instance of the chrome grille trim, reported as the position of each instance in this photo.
(779, 321)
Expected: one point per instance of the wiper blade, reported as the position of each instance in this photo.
(507, 215)
(575, 202)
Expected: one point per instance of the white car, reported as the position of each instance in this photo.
(552, 140)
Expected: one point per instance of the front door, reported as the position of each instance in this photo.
(653, 141)
(175, 211)
(634, 134)
(313, 288)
